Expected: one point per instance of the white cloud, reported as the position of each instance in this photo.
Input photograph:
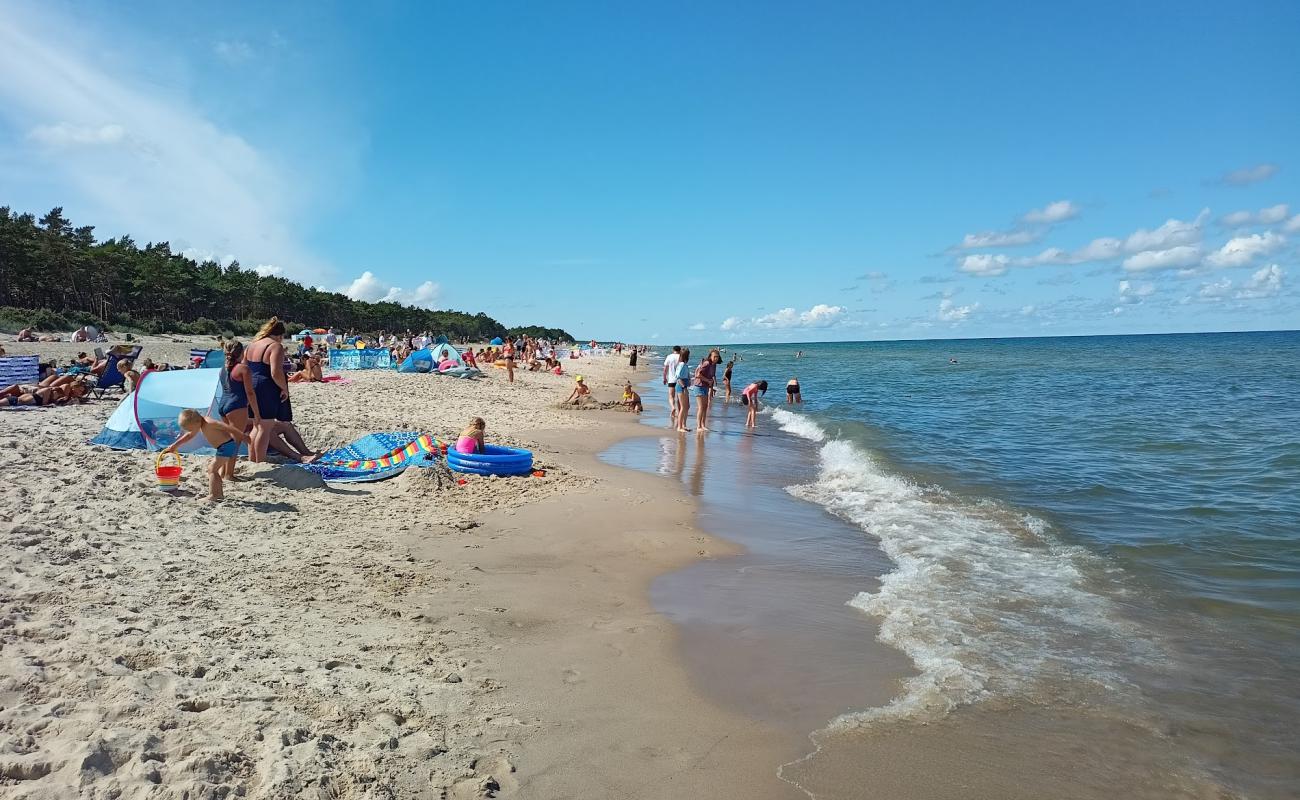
(984, 264)
(1173, 233)
(424, 296)
(67, 134)
(1051, 213)
(1292, 225)
(975, 241)
(699, 326)
(174, 173)
(1182, 256)
(1028, 311)
(267, 270)
(1103, 249)
(1248, 175)
(1265, 282)
(819, 316)
(1242, 250)
(951, 312)
(1130, 292)
(195, 254)
(1265, 216)
(371, 289)
(1215, 291)
(731, 323)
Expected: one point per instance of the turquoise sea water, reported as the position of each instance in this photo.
(1096, 520)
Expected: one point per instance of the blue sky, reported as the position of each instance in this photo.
(691, 171)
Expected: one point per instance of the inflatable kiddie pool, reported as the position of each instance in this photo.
(495, 460)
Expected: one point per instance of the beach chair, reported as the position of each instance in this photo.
(19, 370)
(112, 378)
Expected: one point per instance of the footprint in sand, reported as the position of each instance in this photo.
(493, 777)
(572, 676)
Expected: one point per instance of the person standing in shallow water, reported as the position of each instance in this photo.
(702, 387)
(670, 375)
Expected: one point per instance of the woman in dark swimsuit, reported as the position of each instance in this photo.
(264, 359)
(726, 381)
(792, 395)
(238, 399)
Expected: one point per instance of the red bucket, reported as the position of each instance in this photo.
(169, 475)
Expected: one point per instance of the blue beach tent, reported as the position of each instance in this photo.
(419, 361)
(146, 418)
(496, 342)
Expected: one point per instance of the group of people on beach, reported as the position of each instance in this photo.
(254, 409)
(701, 382)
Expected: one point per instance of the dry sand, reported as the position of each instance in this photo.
(394, 639)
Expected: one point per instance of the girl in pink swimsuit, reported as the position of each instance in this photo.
(750, 398)
(471, 439)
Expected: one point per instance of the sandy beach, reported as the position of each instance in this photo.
(403, 638)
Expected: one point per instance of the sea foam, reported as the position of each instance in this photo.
(982, 599)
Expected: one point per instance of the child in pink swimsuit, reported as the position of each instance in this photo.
(471, 439)
(750, 398)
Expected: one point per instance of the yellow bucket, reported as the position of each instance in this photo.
(169, 475)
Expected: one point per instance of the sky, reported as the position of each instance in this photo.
(693, 171)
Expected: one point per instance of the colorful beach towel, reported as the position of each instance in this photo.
(374, 457)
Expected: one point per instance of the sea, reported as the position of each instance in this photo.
(1082, 550)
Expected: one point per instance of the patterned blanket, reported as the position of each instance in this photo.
(375, 457)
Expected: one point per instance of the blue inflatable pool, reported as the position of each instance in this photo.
(495, 460)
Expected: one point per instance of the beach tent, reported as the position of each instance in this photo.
(146, 418)
(441, 340)
(496, 342)
(428, 359)
(419, 361)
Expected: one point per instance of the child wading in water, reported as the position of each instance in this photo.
(471, 439)
(750, 398)
(218, 434)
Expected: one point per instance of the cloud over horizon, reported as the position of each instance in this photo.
(138, 156)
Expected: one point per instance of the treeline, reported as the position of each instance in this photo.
(56, 276)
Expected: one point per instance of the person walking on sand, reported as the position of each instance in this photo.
(631, 360)
(509, 352)
(670, 375)
(702, 387)
(265, 361)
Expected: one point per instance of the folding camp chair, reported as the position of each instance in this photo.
(112, 378)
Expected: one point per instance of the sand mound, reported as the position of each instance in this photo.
(292, 477)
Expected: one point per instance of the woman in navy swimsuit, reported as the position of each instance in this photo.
(237, 397)
(264, 359)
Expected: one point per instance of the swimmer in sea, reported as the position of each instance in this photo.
(792, 395)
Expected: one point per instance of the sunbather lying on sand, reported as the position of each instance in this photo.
(25, 335)
(46, 396)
